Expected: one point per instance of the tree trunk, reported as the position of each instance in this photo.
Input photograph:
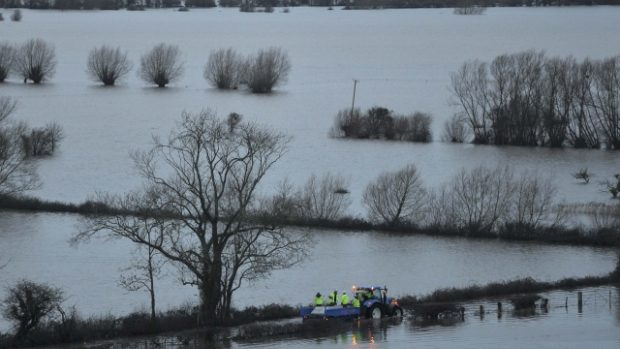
(210, 291)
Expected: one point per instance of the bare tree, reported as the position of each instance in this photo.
(481, 198)
(455, 130)
(28, 303)
(144, 270)
(107, 64)
(606, 98)
(17, 15)
(36, 61)
(7, 106)
(267, 69)
(200, 191)
(469, 86)
(161, 65)
(534, 200)
(223, 68)
(395, 197)
(324, 198)
(7, 57)
(17, 174)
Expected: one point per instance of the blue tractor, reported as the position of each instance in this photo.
(376, 304)
(374, 301)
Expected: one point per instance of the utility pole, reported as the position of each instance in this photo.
(354, 87)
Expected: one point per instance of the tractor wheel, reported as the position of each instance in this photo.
(397, 312)
(375, 312)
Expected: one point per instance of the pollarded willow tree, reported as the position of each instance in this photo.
(198, 204)
(107, 64)
(395, 197)
(161, 65)
(35, 60)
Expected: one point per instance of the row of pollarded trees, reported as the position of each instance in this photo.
(227, 69)
(477, 201)
(36, 61)
(530, 99)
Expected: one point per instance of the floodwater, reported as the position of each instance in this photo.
(562, 325)
(37, 248)
(402, 59)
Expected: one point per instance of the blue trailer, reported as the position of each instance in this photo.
(375, 304)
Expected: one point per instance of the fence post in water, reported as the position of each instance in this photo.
(610, 299)
(462, 310)
(579, 301)
(481, 311)
(499, 310)
(566, 303)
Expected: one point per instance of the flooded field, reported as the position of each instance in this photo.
(402, 59)
(37, 248)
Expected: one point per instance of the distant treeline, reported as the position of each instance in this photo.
(365, 4)
(355, 4)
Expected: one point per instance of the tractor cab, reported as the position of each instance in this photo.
(375, 302)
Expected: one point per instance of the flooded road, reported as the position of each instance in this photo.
(563, 325)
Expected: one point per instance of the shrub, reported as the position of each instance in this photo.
(42, 141)
(107, 64)
(349, 124)
(323, 198)
(7, 57)
(414, 128)
(201, 3)
(469, 10)
(161, 65)
(223, 68)
(267, 69)
(379, 122)
(36, 61)
(28, 303)
(16, 16)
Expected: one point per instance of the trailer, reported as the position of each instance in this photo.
(375, 304)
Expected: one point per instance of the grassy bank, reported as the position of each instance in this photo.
(74, 329)
(497, 289)
(603, 237)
